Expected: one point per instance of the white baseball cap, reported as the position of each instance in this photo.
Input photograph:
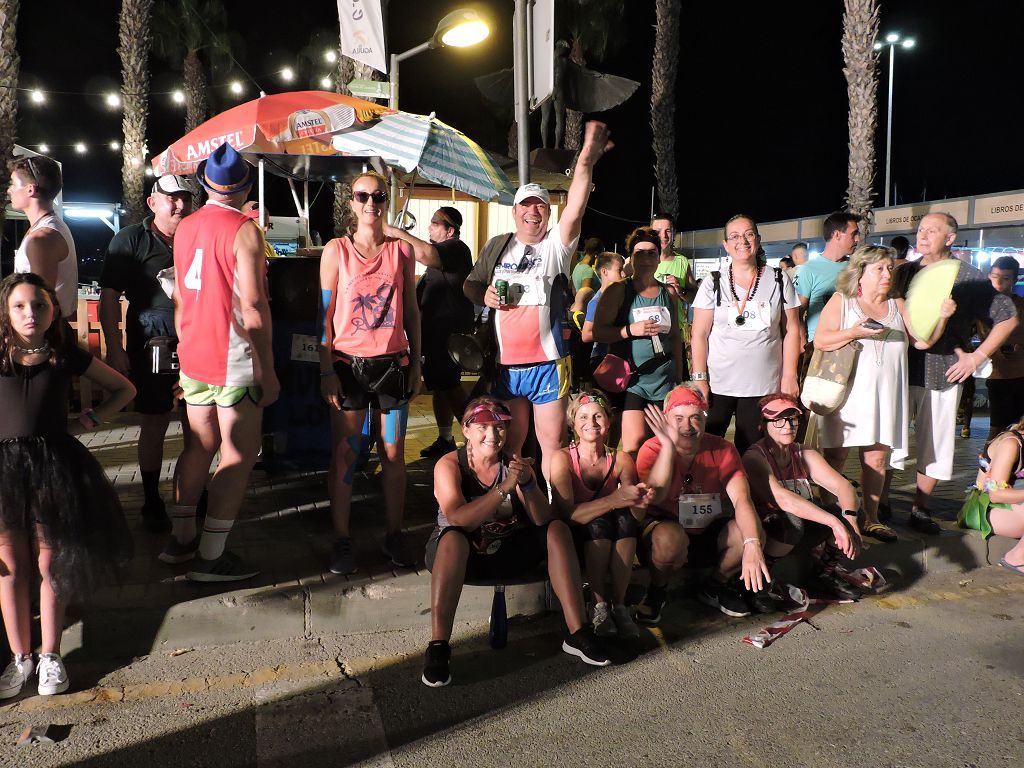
(531, 190)
(170, 185)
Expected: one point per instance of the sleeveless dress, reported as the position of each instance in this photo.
(877, 409)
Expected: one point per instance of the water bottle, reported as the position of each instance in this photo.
(498, 634)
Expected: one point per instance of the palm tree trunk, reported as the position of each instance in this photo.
(663, 103)
(10, 63)
(197, 108)
(574, 119)
(860, 29)
(135, 38)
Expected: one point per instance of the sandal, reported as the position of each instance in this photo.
(1015, 568)
(881, 532)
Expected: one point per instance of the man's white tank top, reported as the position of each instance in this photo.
(67, 269)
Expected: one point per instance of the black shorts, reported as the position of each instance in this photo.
(703, 550)
(356, 397)
(635, 402)
(614, 525)
(516, 556)
(440, 372)
(153, 391)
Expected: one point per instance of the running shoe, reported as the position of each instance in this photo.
(922, 522)
(175, 552)
(227, 567)
(761, 600)
(438, 448)
(17, 673)
(437, 664)
(584, 644)
(832, 585)
(343, 559)
(601, 619)
(725, 596)
(624, 624)
(53, 678)
(396, 548)
(648, 612)
(154, 517)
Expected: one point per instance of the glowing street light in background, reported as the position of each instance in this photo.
(331, 56)
(178, 97)
(891, 40)
(80, 148)
(114, 145)
(326, 83)
(37, 96)
(43, 148)
(113, 100)
(461, 28)
(287, 74)
(236, 87)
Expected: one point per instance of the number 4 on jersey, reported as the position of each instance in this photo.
(194, 276)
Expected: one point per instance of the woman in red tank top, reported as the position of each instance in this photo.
(370, 357)
(595, 487)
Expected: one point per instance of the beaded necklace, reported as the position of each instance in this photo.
(740, 319)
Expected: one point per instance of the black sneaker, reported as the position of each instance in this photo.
(761, 601)
(583, 643)
(884, 513)
(922, 522)
(437, 664)
(832, 585)
(343, 560)
(154, 517)
(227, 567)
(438, 448)
(396, 548)
(648, 612)
(725, 596)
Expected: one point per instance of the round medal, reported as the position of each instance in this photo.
(740, 319)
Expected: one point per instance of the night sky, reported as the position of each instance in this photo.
(761, 111)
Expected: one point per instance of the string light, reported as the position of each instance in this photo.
(37, 96)
(330, 56)
(236, 87)
(44, 148)
(80, 148)
(113, 100)
(287, 74)
(178, 97)
(115, 145)
(326, 83)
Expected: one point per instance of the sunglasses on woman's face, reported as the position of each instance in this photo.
(378, 197)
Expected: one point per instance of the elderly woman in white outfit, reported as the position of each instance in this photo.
(875, 416)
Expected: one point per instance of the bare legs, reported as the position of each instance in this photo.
(874, 460)
(634, 432)
(15, 601)
(602, 553)
(549, 424)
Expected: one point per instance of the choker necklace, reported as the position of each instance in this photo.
(35, 351)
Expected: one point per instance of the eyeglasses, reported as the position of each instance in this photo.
(735, 237)
(784, 420)
(378, 197)
(524, 263)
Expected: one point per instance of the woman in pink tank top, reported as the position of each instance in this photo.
(370, 358)
(595, 487)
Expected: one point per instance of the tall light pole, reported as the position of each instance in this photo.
(459, 29)
(892, 40)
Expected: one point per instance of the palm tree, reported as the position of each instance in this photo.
(663, 103)
(9, 65)
(588, 25)
(860, 29)
(135, 39)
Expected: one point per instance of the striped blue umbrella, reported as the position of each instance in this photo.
(432, 149)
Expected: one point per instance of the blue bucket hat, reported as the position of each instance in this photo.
(225, 171)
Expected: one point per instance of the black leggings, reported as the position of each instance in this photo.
(748, 419)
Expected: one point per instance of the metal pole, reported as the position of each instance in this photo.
(888, 129)
(393, 104)
(522, 88)
(262, 189)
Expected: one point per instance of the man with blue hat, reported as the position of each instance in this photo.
(227, 368)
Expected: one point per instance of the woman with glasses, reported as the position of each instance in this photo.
(595, 487)
(370, 357)
(784, 480)
(745, 337)
(876, 412)
(493, 523)
(637, 317)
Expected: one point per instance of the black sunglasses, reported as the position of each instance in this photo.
(378, 197)
(524, 263)
(32, 169)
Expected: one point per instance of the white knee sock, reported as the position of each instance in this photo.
(183, 522)
(215, 536)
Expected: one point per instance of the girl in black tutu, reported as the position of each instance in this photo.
(56, 507)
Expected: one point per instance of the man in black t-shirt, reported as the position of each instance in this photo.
(134, 258)
(445, 310)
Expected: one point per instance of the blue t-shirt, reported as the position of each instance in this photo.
(817, 283)
(599, 350)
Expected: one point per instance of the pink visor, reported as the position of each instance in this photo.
(488, 413)
(780, 406)
(684, 396)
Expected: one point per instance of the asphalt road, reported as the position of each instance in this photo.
(931, 676)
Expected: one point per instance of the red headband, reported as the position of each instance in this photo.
(685, 396)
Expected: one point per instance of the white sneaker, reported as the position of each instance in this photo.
(624, 622)
(53, 678)
(601, 618)
(18, 672)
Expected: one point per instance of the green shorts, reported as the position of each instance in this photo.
(200, 393)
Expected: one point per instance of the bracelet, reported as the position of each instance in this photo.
(91, 415)
(629, 332)
(529, 486)
(88, 420)
(752, 540)
(698, 376)
(850, 512)
(325, 374)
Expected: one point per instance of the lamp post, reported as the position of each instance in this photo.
(892, 40)
(459, 29)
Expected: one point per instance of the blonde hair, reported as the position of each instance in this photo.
(848, 281)
(597, 397)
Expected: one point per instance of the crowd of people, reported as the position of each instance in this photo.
(624, 399)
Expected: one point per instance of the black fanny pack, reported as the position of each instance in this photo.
(383, 374)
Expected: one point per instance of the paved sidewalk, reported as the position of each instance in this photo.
(284, 528)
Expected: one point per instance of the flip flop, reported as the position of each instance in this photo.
(1010, 566)
(882, 532)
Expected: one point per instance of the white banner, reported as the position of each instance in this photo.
(362, 32)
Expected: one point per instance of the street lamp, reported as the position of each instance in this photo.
(459, 29)
(892, 40)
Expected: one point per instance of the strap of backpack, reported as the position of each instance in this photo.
(778, 282)
(716, 279)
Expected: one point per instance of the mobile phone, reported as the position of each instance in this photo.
(873, 325)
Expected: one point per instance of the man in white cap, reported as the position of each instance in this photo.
(533, 354)
(227, 377)
(134, 258)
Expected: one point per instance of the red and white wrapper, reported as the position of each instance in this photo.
(806, 608)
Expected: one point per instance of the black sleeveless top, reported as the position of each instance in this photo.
(511, 514)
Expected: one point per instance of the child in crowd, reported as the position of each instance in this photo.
(596, 488)
(1000, 466)
(57, 506)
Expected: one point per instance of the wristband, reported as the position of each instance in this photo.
(850, 512)
(629, 332)
(88, 420)
(529, 486)
(752, 540)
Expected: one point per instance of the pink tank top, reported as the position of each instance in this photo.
(580, 491)
(368, 315)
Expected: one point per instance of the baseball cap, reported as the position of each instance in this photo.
(531, 190)
(170, 185)
(779, 404)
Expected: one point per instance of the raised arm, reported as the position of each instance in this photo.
(596, 141)
(425, 253)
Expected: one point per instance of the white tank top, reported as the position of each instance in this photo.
(67, 269)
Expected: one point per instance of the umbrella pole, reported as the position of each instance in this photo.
(263, 210)
(408, 199)
(305, 208)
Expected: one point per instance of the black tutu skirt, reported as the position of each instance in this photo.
(55, 484)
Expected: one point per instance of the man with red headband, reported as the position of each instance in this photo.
(701, 512)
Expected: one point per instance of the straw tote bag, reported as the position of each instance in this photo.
(828, 378)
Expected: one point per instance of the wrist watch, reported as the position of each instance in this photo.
(698, 376)
(502, 494)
